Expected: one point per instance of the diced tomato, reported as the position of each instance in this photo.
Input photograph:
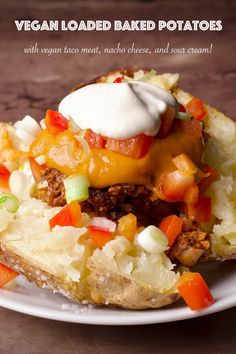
(195, 291)
(201, 211)
(127, 226)
(167, 120)
(4, 170)
(94, 140)
(181, 108)
(118, 80)
(6, 274)
(185, 164)
(173, 186)
(171, 226)
(70, 215)
(195, 108)
(135, 148)
(37, 170)
(98, 236)
(191, 127)
(55, 122)
(191, 194)
(205, 182)
(4, 178)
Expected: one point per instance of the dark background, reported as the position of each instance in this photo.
(30, 84)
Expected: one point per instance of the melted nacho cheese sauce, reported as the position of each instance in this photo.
(135, 107)
(105, 168)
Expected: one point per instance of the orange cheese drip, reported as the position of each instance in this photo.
(105, 168)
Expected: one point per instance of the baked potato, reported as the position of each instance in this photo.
(65, 261)
(121, 273)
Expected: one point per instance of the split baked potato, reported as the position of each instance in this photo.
(121, 273)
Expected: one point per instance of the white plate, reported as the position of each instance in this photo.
(27, 298)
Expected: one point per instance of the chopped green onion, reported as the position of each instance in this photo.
(152, 239)
(149, 75)
(183, 116)
(75, 180)
(9, 202)
(78, 193)
(77, 188)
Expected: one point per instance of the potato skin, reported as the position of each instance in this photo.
(108, 287)
(35, 274)
(222, 250)
(105, 287)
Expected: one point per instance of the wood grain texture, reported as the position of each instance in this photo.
(29, 335)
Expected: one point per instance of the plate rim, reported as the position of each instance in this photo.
(138, 317)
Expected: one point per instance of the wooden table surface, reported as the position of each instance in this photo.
(31, 83)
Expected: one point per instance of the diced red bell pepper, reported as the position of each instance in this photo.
(135, 148)
(201, 212)
(55, 122)
(173, 186)
(194, 291)
(95, 140)
(191, 127)
(70, 215)
(6, 274)
(4, 178)
(191, 195)
(195, 108)
(99, 236)
(171, 226)
(118, 80)
(206, 182)
(37, 170)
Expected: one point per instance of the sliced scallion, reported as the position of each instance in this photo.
(183, 116)
(9, 202)
(149, 75)
(75, 180)
(152, 239)
(77, 188)
(78, 193)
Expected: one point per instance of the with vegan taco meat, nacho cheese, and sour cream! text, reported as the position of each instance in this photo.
(114, 197)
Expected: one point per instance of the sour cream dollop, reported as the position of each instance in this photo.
(118, 110)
